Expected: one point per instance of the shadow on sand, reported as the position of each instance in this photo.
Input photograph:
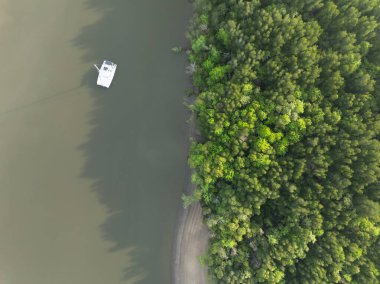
(136, 152)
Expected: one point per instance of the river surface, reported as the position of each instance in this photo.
(90, 178)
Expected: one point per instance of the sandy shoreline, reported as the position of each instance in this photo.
(191, 237)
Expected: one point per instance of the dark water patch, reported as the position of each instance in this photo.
(136, 151)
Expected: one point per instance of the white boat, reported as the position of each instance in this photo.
(106, 73)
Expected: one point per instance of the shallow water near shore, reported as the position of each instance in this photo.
(90, 179)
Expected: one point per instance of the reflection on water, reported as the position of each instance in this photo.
(136, 151)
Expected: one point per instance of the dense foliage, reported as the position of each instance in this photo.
(288, 95)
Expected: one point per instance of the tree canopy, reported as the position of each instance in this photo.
(288, 96)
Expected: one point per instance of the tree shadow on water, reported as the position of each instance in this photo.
(136, 151)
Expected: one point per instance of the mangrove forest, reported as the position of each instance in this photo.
(287, 166)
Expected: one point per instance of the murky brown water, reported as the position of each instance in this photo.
(90, 179)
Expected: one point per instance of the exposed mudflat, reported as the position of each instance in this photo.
(192, 237)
